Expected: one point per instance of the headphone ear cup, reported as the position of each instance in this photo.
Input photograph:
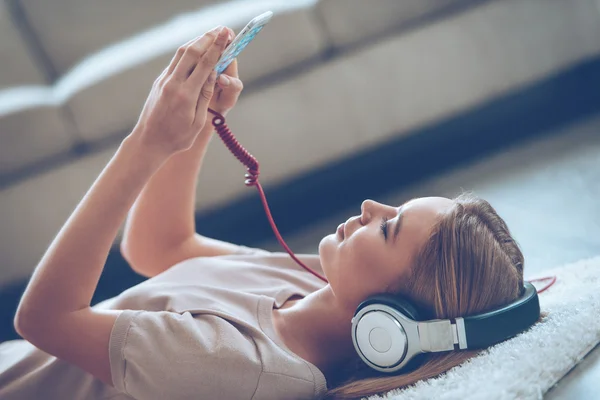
(376, 336)
(393, 301)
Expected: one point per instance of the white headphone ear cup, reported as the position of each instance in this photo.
(380, 339)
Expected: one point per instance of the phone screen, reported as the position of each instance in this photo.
(236, 47)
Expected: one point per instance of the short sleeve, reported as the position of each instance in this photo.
(167, 355)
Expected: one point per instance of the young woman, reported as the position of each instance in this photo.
(218, 320)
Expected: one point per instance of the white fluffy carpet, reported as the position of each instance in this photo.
(528, 365)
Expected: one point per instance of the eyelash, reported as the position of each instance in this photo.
(384, 226)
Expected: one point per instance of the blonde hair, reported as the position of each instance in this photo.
(470, 264)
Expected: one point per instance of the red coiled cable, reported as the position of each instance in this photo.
(252, 180)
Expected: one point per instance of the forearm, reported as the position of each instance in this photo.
(68, 273)
(160, 228)
(163, 214)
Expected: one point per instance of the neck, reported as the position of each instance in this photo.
(317, 328)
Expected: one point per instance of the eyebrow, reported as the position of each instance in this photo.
(398, 225)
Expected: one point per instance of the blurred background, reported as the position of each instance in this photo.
(344, 100)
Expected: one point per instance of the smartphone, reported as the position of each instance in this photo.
(241, 41)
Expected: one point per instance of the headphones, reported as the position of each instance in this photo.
(387, 332)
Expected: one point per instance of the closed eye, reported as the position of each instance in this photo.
(384, 227)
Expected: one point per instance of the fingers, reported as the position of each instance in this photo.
(207, 90)
(230, 83)
(191, 53)
(204, 75)
(231, 35)
(209, 59)
(232, 69)
(161, 78)
(177, 56)
(229, 89)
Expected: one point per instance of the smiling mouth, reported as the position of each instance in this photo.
(340, 230)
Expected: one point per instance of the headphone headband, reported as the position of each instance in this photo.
(495, 326)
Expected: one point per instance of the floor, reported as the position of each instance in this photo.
(547, 190)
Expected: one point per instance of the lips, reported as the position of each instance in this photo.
(340, 230)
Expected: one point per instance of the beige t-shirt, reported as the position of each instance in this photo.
(201, 330)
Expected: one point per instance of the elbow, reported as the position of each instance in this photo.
(125, 250)
(24, 324)
(18, 324)
(138, 260)
(129, 256)
(20, 320)
(40, 328)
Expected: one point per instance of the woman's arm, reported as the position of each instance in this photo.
(54, 313)
(161, 221)
(160, 230)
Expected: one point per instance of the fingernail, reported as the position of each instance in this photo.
(224, 80)
(217, 28)
(212, 77)
(223, 30)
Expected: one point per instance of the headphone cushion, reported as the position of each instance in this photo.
(393, 301)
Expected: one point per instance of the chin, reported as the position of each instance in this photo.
(322, 245)
(327, 248)
(327, 242)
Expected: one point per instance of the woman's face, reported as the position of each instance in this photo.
(372, 251)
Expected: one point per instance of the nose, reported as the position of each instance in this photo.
(367, 208)
(370, 209)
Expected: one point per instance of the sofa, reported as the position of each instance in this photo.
(324, 81)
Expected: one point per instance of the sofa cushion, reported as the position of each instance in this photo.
(350, 21)
(32, 128)
(423, 76)
(108, 89)
(69, 30)
(34, 210)
(31, 135)
(18, 65)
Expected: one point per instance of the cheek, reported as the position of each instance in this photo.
(355, 267)
(362, 248)
(362, 259)
(342, 266)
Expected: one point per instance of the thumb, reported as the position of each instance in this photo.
(229, 85)
(224, 81)
(230, 89)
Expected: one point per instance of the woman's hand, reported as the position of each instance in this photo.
(176, 108)
(229, 87)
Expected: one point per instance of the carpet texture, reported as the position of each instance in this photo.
(528, 365)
